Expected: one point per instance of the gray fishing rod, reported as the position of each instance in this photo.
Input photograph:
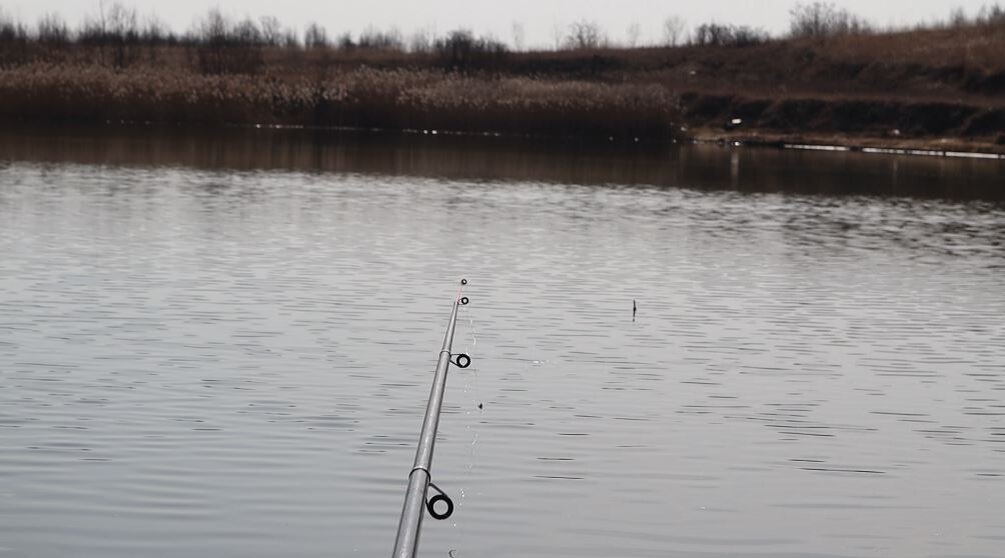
(420, 479)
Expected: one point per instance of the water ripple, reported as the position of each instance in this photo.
(235, 363)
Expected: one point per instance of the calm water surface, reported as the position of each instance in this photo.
(213, 347)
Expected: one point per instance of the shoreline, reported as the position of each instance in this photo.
(954, 148)
(920, 147)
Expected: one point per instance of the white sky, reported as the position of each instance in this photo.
(540, 18)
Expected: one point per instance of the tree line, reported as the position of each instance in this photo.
(220, 44)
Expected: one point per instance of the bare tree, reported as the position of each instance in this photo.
(632, 34)
(120, 20)
(375, 39)
(461, 50)
(421, 41)
(155, 33)
(517, 32)
(223, 46)
(316, 36)
(822, 19)
(14, 38)
(674, 30)
(345, 41)
(557, 34)
(585, 35)
(991, 15)
(957, 18)
(123, 30)
(271, 30)
(155, 30)
(115, 33)
(52, 30)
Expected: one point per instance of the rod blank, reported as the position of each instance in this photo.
(406, 544)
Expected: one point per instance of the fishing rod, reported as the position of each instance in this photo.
(420, 479)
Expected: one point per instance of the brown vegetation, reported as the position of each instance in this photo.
(426, 99)
(832, 74)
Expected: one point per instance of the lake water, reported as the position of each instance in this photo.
(222, 344)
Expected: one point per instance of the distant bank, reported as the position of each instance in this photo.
(939, 89)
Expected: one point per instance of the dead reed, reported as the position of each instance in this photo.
(426, 99)
(832, 72)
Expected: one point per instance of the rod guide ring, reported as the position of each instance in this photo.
(441, 497)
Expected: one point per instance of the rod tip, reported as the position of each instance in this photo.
(464, 281)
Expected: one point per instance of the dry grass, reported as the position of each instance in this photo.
(979, 47)
(361, 97)
(935, 82)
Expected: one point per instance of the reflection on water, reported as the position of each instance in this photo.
(233, 359)
(489, 158)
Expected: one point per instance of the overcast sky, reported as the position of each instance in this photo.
(539, 18)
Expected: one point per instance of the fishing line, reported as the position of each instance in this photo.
(471, 390)
(472, 414)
